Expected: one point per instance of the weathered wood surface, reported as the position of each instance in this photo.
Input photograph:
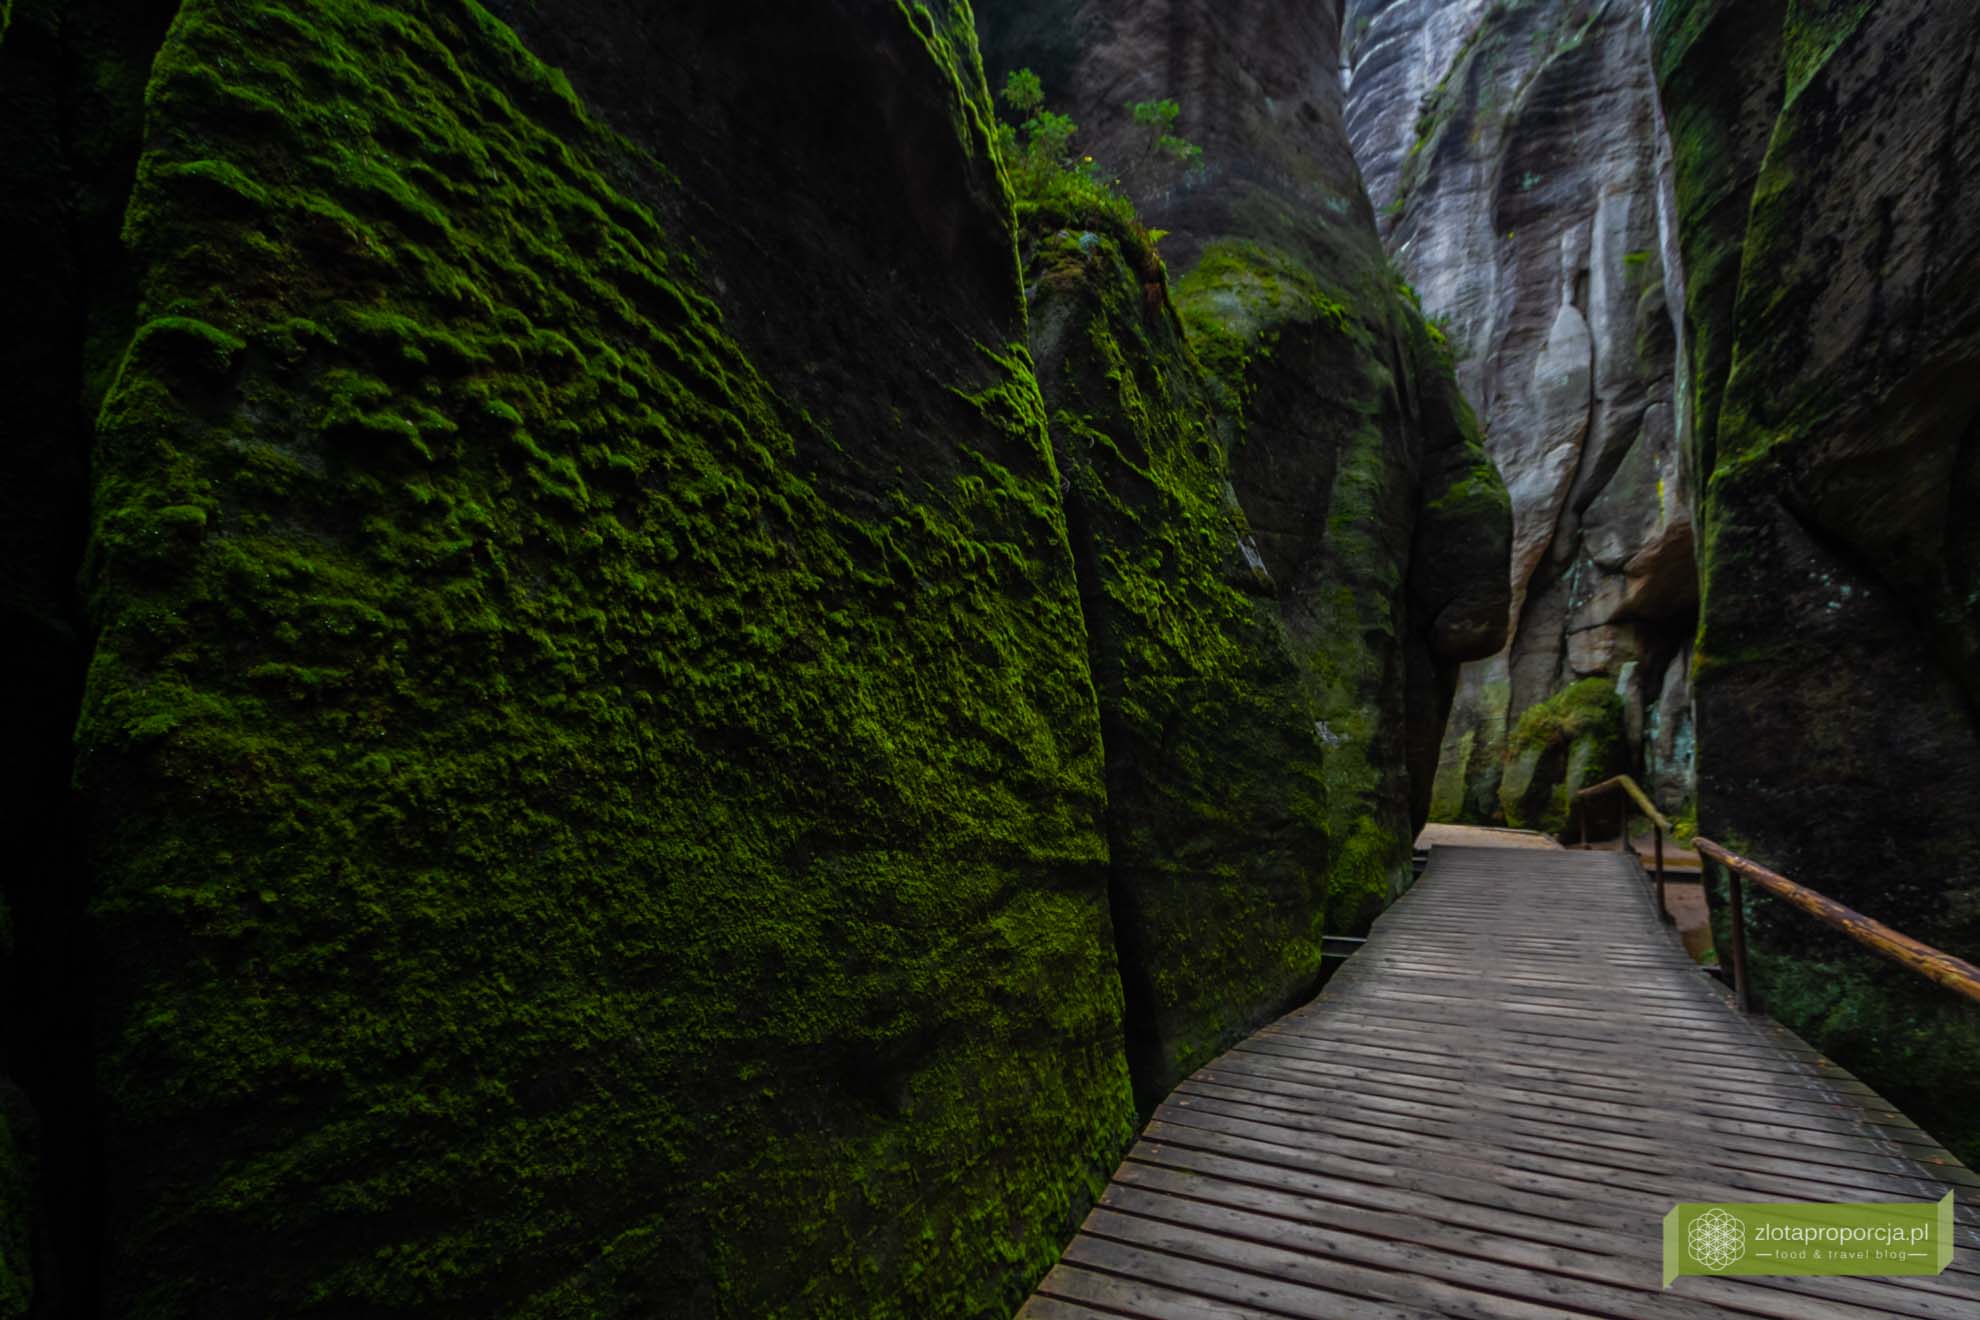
(1487, 1114)
(1627, 785)
(1955, 974)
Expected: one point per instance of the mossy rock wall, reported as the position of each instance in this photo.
(595, 782)
(1217, 806)
(1571, 741)
(604, 757)
(1381, 522)
(1828, 173)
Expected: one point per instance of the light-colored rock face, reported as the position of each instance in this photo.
(1517, 160)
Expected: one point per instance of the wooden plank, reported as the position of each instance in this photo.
(1839, 1134)
(1071, 1286)
(1045, 1307)
(1854, 1103)
(1215, 1282)
(1555, 1172)
(1624, 1198)
(1891, 1175)
(1322, 1273)
(1702, 1059)
(1487, 1114)
(1644, 1300)
(1897, 1143)
(1486, 1223)
(1647, 1073)
(1776, 1179)
(1624, 1264)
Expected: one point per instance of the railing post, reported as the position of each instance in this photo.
(1955, 974)
(1742, 990)
(1663, 913)
(1582, 803)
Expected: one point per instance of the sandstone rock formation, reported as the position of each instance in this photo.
(1515, 150)
(596, 799)
(1828, 175)
(1354, 460)
(629, 748)
(1216, 802)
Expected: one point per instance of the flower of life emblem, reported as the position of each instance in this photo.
(1716, 1240)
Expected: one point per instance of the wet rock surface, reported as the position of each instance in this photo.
(1515, 155)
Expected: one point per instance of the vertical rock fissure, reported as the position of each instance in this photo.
(74, 77)
(1139, 1032)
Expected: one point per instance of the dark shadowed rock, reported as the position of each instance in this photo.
(1356, 464)
(1828, 170)
(596, 787)
(1216, 799)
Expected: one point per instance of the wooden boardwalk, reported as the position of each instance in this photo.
(1487, 1114)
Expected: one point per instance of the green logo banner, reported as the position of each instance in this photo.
(1790, 1237)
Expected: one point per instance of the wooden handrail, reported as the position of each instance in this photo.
(1630, 786)
(1933, 964)
(1659, 826)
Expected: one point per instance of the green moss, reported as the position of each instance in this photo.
(1216, 807)
(1472, 759)
(1560, 746)
(1478, 493)
(1239, 285)
(1447, 795)
(585, 855)
(1684, 827)
(1587, 708)
(1367, 874)
(1814, 31)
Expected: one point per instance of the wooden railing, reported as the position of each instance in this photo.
(1632, 793)
(1955, 974)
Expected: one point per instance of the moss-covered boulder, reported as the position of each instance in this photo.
(595, 786)
(1381, 522)
(1216, 813)
(599, 737)
(1570, 741)
(1829, 191)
